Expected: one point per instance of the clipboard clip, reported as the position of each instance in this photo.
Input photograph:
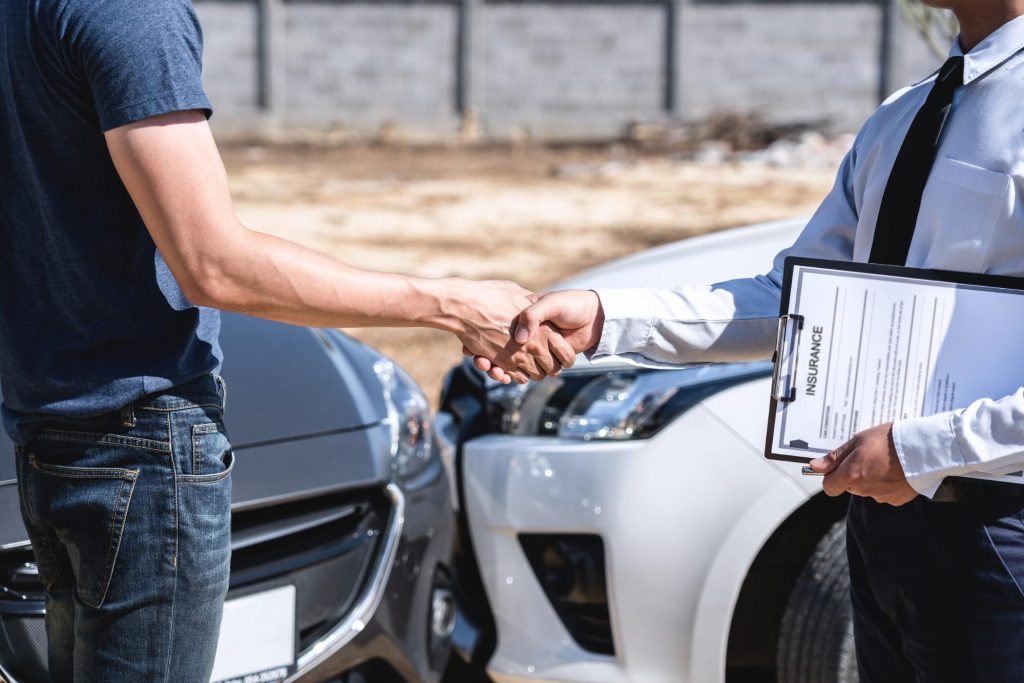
(780, 348)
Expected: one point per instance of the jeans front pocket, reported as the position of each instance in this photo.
(86, 508)
(211, 452)
(204, 516)
(204, 535)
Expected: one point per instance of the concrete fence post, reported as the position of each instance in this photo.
(673, 56)
(887, 35)
(270, 56)
(468, 60)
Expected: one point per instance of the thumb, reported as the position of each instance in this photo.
(529, 320)
(828, 462)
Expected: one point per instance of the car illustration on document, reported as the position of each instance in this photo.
(621, 524)
(342, 528)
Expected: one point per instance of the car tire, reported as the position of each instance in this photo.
(816, 637)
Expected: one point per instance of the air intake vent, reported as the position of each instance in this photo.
(570, 568)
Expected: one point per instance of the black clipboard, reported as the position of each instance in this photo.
(791, 324)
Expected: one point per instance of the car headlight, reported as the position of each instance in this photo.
(618, 405)
(408, 417)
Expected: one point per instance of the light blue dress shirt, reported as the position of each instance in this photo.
(971, 220)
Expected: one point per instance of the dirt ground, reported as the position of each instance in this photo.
(530, 214)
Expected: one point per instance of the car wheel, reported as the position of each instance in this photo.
(816, 637)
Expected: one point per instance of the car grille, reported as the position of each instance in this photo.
(325, 546)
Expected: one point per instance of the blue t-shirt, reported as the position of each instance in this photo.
(90, 316)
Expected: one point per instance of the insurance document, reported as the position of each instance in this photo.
(862, 345)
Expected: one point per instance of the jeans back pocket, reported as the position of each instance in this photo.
(86, 507)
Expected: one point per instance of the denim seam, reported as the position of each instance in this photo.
(197, 431)
(52, 559)
(44, 547)
(209, 478)
(67, 472)
(174, 563)
(115, 546)
(177, 407)
(104, 439)
(174, 469)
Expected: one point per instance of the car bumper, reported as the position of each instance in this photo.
(389, 629)
(388, 623)
(681, 519)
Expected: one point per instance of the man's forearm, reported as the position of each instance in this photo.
(269, 277)
(172, 170)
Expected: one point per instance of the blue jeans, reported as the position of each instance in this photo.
(937, 588)
(129, 517)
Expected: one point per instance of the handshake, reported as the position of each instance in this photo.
(516, 335)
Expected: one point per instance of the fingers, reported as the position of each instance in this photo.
(499, 375)
(836, 467)
(844, 476)
(518, 377)
(483, 364)
(527, 323)
(522, 360)
(545, 363)
(829, 462)
(562, 350)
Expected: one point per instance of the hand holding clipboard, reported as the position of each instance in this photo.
(861, 345)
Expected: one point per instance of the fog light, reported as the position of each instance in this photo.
(571, 570)
(442, 620)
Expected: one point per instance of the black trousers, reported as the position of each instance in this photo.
(937, 588)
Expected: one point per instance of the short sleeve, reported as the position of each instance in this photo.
(139, 59)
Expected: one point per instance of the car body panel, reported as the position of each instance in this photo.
(698, 260)
(310, 427)
(633, 495)
(310, 466)
(286, 381)
(298, 408)
(682, 515)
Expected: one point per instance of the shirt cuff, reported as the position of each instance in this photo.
(928, 451)
(627, 323)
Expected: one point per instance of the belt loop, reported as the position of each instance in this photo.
(128, 416)
(223, 392)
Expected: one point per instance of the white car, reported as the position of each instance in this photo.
(621, 524)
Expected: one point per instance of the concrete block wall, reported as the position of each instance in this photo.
(547, 68)
(231, 57)
(367, 64)
(786, 62)
(570, 69)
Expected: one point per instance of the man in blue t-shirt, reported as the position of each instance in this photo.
(118, 241)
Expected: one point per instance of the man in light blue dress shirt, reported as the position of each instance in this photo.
(936, 561)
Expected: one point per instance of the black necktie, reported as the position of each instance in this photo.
(897, 215)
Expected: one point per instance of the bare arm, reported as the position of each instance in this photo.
(174, 173)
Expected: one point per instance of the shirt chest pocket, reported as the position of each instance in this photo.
(963, 209)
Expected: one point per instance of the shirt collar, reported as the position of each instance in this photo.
(999, 46)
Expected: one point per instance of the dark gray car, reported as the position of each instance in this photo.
(338, 492)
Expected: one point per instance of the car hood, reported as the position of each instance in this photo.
(298, 399)
(287, 382)
(719, 256)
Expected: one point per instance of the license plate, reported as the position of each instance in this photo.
(257, 638)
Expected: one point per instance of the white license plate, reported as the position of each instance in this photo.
(257, 638)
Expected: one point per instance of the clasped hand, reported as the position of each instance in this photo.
(541, 336)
